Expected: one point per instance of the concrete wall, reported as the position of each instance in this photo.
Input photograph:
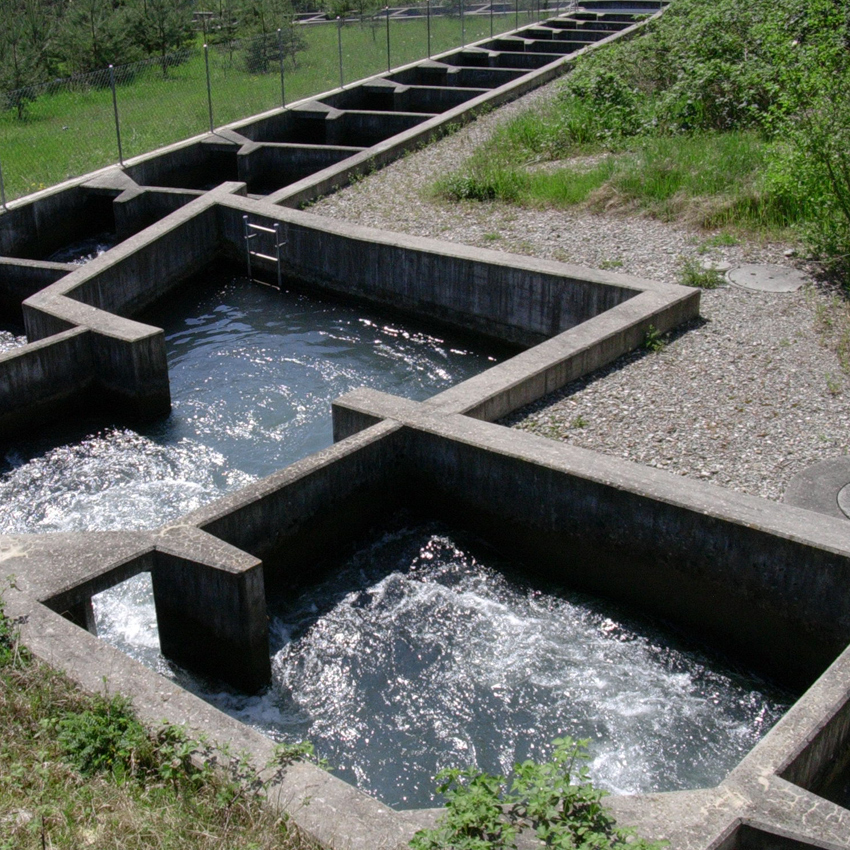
(277, 164)
(19, 279)
(138, 208)
(766, 582)
(517, 300)
(53, 220)
(751, 586)
(295, 519)
(45, 381)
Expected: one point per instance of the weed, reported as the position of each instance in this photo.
(555, 799)
(718, 240)
(653, 340)
(579, 422)
(833, 385)
(692, 273)
(136, 789)
(492, 237)
(607, 265)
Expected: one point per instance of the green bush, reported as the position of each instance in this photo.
(106, 737)
(555, 799)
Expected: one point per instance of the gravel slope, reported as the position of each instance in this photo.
(745, 398)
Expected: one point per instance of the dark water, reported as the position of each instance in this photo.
(253, 373)
(81, 252)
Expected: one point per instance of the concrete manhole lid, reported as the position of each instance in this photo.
(767, 278)
(844, 500)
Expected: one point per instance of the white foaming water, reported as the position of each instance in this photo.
(416, 655)
(85, 250)
(10, 341)
(253, 373)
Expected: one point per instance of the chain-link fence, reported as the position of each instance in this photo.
(66, 128)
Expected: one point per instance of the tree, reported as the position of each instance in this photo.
(25, 40)
(95, 34)
(160, 27)
(261, 20)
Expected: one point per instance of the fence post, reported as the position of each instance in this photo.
(339, 43)
(209, 87)
(388, 39)
(462, 25)
(280, 56)
(428, 17)
(516, 14)
(491, 19)
(115, 112)
(2, 189)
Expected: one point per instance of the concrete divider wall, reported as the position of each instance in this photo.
(183, 166)
(314, 508)
(143, 269)
(45, 380)
(19, 279)
(759, 581)
(275, 163)
(517, 300)
(578, 351)
(37, 229)
(138, 208)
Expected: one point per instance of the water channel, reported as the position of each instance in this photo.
(423, 649)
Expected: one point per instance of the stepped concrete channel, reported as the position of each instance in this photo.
(768, 582)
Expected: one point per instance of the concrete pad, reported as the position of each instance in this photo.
(767, 278)
(844, 499)
(818, 487)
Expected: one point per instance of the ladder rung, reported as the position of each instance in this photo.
(260, 227)
(263, 256)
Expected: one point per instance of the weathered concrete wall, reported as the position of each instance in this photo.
(277, 164)
(766, 582)
(44, 381)
(552, 364)
(439, 74)
(294, 519)
(19, 279)
(211, 608)
(189, 165)
(515, 299)
(53, 220)
(138, 208)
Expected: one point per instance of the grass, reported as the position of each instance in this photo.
(711, 180)
(72, 131)
(141, 791)
(832, 325)
(692, 273)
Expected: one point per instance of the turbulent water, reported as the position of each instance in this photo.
(423, 650)
(81, 252)
(9, 340)
(253, 373)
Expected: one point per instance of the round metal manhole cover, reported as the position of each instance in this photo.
(844, 500)
(767, 278)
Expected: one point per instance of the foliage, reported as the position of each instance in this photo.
(104, 737)
(555, 799)
(138, 789)
(724, 113)
(692, 273)
(810, 46)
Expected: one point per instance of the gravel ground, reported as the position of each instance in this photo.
(745, 398)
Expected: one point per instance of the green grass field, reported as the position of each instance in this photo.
(72, 131)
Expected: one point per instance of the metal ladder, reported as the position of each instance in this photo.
(256, 231)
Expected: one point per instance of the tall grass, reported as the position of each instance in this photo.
(709, 179)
